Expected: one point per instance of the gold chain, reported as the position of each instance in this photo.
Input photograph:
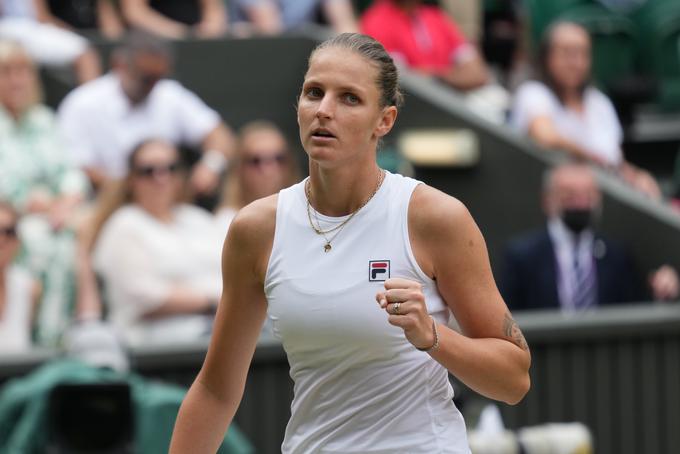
(327, 247)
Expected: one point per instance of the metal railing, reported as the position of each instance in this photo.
(616, 369)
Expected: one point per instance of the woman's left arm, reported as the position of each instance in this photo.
(490, 355)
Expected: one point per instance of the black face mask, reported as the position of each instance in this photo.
(577, 219)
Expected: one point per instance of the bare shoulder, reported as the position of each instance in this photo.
(432, 212)
(441, 231)
(256, 218)
(251, 234)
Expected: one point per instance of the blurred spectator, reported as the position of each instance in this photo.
(19, 292)
(425, 39)
(567, 265)
(467, 15)
(47, 44)
(503, 41)
(271, 17)
(565, 111)
(263, 166)
(100, 15)
(159, 259)
(37, 178)
(177, 19)
(35, 174)
(104, 119)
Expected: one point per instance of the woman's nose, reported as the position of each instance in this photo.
(325, 108)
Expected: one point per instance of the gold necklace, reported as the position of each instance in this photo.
(327, 247)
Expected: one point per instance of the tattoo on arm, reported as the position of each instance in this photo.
(511, 330)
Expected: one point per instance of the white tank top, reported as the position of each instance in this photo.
(15, 319)
(360, 386)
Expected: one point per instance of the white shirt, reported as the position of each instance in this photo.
(47, 44)
(360, 386)
(596, 129)
(15, 319)
(568, 249)
(17, 8)
(141, 259)
(102, 127)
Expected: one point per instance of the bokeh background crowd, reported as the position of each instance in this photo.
(132, 132)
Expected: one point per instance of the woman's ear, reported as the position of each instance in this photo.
(387, 119)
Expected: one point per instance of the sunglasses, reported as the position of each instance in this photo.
(257, 161)
(152, 171)
(9, 231)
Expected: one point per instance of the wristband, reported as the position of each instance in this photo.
(214, 160)
(434, 346)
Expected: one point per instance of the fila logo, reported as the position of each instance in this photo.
(378, 270)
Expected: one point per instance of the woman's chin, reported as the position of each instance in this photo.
(321, 153)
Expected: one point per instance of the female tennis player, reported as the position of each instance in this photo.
(358, 270)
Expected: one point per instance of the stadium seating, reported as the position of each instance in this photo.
(614, 38)
(643, 42)
(658, 47)
(542, 13)
(614, 35)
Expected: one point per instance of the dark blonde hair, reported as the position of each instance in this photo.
(545, 48)
(118, 194)
(232, 193)
(369, 48)
(10, 49)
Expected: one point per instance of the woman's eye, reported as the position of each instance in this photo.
(314, 93)
(351, 99)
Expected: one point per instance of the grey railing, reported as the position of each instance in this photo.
(616, 370)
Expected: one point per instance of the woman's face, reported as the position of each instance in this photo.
(569, 57)
(339, 111)
(155, 176)
(265, 163)
(9, 243)
(17, 83)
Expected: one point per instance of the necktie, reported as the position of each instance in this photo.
(585, 289)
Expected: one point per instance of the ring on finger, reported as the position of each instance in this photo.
(395, 309)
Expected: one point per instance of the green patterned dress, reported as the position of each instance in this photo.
(33, 161)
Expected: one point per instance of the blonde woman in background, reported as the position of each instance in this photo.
(40, 182)
(263, 166)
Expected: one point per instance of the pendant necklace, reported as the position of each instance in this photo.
(338, 228)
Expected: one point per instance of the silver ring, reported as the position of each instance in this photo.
(395, 309)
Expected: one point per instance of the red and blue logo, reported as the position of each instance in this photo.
(378, 270)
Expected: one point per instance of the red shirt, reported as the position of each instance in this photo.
(426, 39)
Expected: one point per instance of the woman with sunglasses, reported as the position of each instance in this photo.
(359, 270)
(156, 255)
(263, 166)
(19, 292)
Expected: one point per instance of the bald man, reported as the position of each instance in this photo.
(567, 265)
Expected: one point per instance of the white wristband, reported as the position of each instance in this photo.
(214, 160)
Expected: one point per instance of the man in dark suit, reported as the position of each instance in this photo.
(566, 264)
